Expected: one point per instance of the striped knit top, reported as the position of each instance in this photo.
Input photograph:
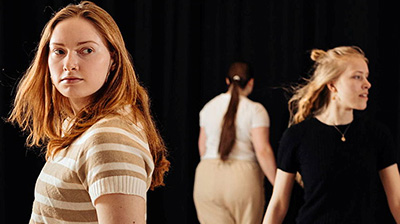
(112, 156)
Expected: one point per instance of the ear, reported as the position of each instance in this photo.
(331, 87)
(249, 87)
(227, 81)
(112, 61)
(251, 82)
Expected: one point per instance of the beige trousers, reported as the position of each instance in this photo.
(230, 192)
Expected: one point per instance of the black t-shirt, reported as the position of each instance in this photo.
(340, 178)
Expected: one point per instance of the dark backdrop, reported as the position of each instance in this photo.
(181, 50)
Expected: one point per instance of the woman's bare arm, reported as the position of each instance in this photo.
(264, 152)
(121, 209)
(391, 182)
(280, 199)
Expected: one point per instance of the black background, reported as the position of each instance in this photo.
(181, 51)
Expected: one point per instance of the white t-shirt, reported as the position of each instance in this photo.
(249, 115)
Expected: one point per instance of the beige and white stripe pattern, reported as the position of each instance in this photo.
(111, 157)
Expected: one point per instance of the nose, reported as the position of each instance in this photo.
(367, 84)
(70, 63)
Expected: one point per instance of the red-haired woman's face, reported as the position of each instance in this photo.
(79, 61)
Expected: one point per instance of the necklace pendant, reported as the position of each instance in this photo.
(342, 133)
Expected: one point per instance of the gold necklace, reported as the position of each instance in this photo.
(342, 133)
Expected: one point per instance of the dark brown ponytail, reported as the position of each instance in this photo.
(239, 75)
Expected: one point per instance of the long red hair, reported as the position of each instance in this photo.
(40, 110)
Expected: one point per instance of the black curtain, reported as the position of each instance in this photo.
(181, 50)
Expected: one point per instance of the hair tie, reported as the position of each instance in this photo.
(236, 78)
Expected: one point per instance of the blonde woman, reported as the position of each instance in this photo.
(81, 101)
(339, 155)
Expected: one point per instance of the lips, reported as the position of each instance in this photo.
(364, 95)
(70, 79)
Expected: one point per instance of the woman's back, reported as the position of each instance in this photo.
(249, 115)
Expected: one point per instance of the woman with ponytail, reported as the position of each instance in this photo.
(235, 153)
(338, 154)
(81, 102)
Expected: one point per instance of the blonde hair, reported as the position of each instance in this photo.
(311, 98)
(40, 110)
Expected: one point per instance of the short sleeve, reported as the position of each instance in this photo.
(386, 155)
(260, 117)
(115, 159)
(287, 159)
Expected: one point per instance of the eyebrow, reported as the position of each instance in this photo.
(79, 43)
(361, 72)
(358, 71)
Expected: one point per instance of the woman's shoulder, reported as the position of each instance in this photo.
(122, 119)
(113, 152)
(117, 121)
(251, 102)
(216, 102)
(115, 130)
(299, 129)
(293, 136)
(251, 105)
(305, 124)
